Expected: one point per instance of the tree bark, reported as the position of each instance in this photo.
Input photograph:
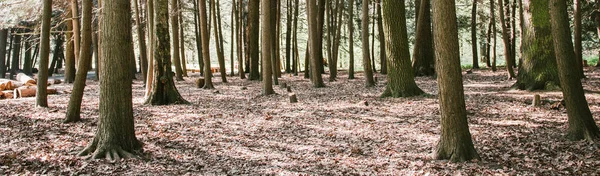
(538, 69)
(76, 30)
(3, 44)
(253, 26)
(15, 55)
(197, 33)
(577, 36)
(27, 59)
(240, 41)
(474, 35)
(370, 82)
(218, 41)
(70, 52)
(115, 137)
(494, 38)
(351, 40)
(296, 57)
(455, 141)
(151, 41)
(506, 40)
(41, 98)
(204, 31)
(401, 81)
(182, 41)
(288, 37)
(382, 47)
(423, 58)
(164, 91)
(267, 38)
(74, 107)
(141, 41)
(581, 122)
(175, 31)
(316, 39)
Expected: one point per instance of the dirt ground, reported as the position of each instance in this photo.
(343, 129)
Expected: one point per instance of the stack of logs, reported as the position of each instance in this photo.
(23, 86)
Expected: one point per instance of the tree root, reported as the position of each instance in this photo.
(112, 154)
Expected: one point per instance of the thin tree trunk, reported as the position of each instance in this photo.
(382, 52)
(274, 38)
(204, 31)
(141, 41)
(151, 46)
(198, 39)
(577, 34)
(370, 82)
(70, 53)
(240, 40)
(316, 61)
(182, 41)
(218, 41)
(15, 57)
(493, 23)
(267, 38)
(3, 43)
(41, 98)
(253, 33)
(233, 38)
(351, 40)
(288, 36)
(76, 30)
(175, 36)
(474, 35)
(503, 23)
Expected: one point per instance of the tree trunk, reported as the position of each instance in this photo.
(204, 31)
(370, 82)
(474, 35)
(577, 36)
(401, 80)
(253, 24)
(506, 40)
(351, 40)
(41, 98)
(274, 35)
(233, 36)
(315, 37)
(15, 57)
(296, 57)
(277, 43)
(382, 47)
(267, 38)
(141, 41)
(581, 122)
(538, 69)
(27, 59)
(74, 107)
(76, 30)
(218, 41)
(9, 54)
(115, 137)
(3, 43)
(164, 91)
(175, 30)
(423, 58)
(288, 36)
(240, 41)
(373, 41)
(70, 53)
(455, 141)
(151, 41)
(58, 54)
(320, 28)
(182, 41)
(198, 39)
(488, 46)
(493, 23)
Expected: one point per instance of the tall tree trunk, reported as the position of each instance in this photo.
(513, 54)
(3, 43)
(296, 57)
(277, 43)
(58, 54)
(315, 38)
(267, 38)
(70, 52)
(204, 31)
(253, 24)
(15, 57)
(164, 91)
(218, 40)
(240, 40)
(233, 36)
(506, 40)
(455, 139)
(115, 137)
(288, 36)
(488, 46)
(320, 29)
(401, 79)
(74, 107)
(382, 47)
(333, 64)
(423, 53)
(175, 31)
(494, 38)
(197, 33)
(351, 40)
(274, 35)
(141, 41)
(76, 30)
(151, 41)
(27, 59)
(182, 41)
(538, 69)
(577, 36)
(474, 35)
(370, 82)
(581, 122)
(41, 98)
(373, 41)
(9, 53)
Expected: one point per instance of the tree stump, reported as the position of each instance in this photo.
(536, 100)
(293, 98)
(200, 83)
(289, 88)
(283, 85)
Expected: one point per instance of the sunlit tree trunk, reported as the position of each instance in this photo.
(41, 98)
(506, 40)
(175, 37)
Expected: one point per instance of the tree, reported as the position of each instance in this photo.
(76, 30)
(14, 66)
(204, 32)
(115, 136)
(315, 45)
(267, 39)
(474, 35)
(175, 30)
(423, 59)
(506, 40)
(401, 82)
(288, 37)
(581, 122)
(41, 98)
(253, 24)
(151, 41)
(493, 34)
(577, 38)
(197, 33)
(141, 41)
(70, 52)
(382, 52)
(163, 91)
(240, 41)
(3, 44)
(538, 69)
(216, 16)
(182, 40)
(455, 141)
(370, 82)
(351, 40)
(74, 107)
(27, 59)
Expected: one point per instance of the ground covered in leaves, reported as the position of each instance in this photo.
(343, 129)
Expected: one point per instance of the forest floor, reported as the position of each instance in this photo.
(343, 129)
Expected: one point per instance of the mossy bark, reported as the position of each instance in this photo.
(538, 70)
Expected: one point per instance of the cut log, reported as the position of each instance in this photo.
(6, 84)
(289, 88)
(200, 83)
(25, 79)
(7, 94)
(293, 98)
(30, 91)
